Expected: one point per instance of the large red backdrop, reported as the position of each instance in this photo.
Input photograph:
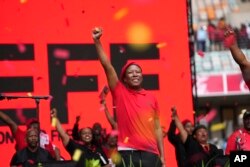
(46, 49)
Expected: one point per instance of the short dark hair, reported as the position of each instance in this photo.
(198, 127)
(246, 114)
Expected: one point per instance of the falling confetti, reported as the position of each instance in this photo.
(62, 6)
(200, 53)
(211, 115)
(61, 54)
(161, 45)
(39, 78)
(122, 49)
(67, 22)
(182, 74)
(121, 13)
(77, 154)
(21, 48)
(150, 119)
(64, 80)
(29, 94)
(218, 126)
(53, 122)
(126, 140)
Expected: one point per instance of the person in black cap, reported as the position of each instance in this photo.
(240, 139)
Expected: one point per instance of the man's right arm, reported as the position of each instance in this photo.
(6, 119)
(64, 136)
(171, 132)
(106, 64)
(238, 55)
(183, 132)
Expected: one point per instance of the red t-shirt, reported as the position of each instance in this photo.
(241, 138)
(136, 111)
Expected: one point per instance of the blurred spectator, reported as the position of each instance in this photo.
(211, 30)
(175, 140)
(239, 140)
(201, 38)
(87, 150)
(243, 37)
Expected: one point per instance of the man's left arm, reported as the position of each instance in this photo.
(159, 138)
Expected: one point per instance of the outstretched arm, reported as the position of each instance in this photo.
(75, 130)
(237, 53)
(6, 119)
(183, 132)
(108, 116)
(107, 66)
(172, 137)
(64, 136)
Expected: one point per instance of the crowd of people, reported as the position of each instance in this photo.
(211, 37)
(138, 141)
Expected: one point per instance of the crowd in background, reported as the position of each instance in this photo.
(210, 37)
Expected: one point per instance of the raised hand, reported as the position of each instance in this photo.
(53, 112)
(174, 112)
(96, 33)
(230, 38)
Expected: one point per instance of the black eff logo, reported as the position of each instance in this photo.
(240, 159)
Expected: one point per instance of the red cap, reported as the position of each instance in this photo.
(31, 121)
(184, 122)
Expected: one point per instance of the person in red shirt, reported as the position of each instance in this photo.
(240, 139)
(238, 55)
(19, 135)
(140, 139)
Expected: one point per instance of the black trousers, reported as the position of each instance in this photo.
(136, 158)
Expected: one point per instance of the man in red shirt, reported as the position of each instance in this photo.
(239, 57)
(140, 139)
(240, 139)
(19, 135)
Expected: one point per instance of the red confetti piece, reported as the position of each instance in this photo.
(67, 22)
(62, 6)
(50, 98)
(211, 115)
(200, 53)
(122, 49)
(61, 54)
(21, 48)
(182, 74)
(39, 78)
(64, 80)
(229, 41)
